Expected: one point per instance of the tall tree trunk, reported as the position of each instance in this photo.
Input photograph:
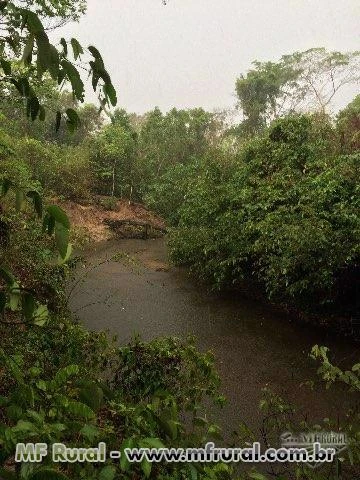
(113, 180)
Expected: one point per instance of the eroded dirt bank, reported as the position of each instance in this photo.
(92, 220)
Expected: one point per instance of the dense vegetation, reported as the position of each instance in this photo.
(58, 381)
(271, 203)
(277, 211)
(282, 213)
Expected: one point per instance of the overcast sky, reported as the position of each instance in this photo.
(189, 52)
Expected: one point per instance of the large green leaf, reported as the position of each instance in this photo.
(28, 305)
(64, 374)
(44, 55)
(77, 48)
(74, 78)
(96, 54)
(62, 235)
(64, 45)
(53, 65)
(107, 473)
(110, 92)
(38, 206)
(80, 410)
(40, 315)
(73, 120)
(124, 462)
(146, 467)
(33, 107)
(63, 260)
(47, 55)
(32, 21)
(28, 50)
(59, 215)
(49, 224)
(14, 297)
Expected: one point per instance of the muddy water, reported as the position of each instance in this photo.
(254, 345)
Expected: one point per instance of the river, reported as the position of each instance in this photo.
(254, 345)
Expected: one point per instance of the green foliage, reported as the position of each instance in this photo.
(302, 81)
(167, 193)
(285, 214)
(259, 93)
(46, 397)
(348, 123)
(165, 141)
(62, 9)
(26, 41)
(112, 160)
(61, 171)
(57, 170)
(167, 365)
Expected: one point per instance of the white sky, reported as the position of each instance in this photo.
(189, 52)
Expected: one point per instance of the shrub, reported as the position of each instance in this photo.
(285, 214)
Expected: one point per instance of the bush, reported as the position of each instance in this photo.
(61, 170)
(108, 203)
(63, 384)
(57, 170)
(285, 214)
(60, 383)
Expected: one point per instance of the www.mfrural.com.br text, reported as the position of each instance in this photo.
(60, 453)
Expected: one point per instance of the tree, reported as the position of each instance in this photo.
(112, 155)
(12, 106)
(55, 8)
(262, 94)
(173, 138)
(322, 74)
(26, 57)
(122, 118)
(54, 13)
(24, 39)
(301, 82)
(348, 124)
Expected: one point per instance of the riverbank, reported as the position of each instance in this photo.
(131, 289)
(93, 223)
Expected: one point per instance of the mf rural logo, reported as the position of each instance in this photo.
(327, 440)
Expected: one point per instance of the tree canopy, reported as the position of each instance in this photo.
(300, 82)
(25, 43)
